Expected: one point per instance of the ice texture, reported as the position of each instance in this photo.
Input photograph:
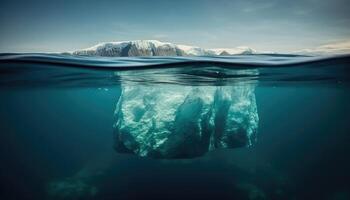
(177, 121)
(155, 48)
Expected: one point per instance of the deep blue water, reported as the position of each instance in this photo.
(57, 115)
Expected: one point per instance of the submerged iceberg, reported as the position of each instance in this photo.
(176, 121)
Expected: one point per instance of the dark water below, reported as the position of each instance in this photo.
(57, 116)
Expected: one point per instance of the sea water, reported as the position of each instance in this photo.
(58, 116)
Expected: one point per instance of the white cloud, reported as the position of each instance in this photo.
(339, 47)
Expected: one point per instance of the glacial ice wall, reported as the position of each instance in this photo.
(176, 121)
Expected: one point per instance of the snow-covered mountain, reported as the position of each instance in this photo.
(155, 48)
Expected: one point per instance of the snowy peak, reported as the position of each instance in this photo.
(131, 48)
(155, 48)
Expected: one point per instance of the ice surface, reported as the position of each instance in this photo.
(132, 48)
(176, 121)
(234, 51)
(156, 48)
(195, 51)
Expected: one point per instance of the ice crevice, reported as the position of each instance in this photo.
(177, 121)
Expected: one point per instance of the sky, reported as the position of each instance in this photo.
(274, 25)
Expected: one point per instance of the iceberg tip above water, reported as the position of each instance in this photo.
(155, 48)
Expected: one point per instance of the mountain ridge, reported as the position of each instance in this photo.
(134, 48)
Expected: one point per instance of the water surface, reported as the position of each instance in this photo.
(57, 114)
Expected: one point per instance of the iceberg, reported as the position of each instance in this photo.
(177, 121)
(136, 48)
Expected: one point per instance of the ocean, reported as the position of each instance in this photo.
(64, 117)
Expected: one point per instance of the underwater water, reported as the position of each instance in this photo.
(238, 127)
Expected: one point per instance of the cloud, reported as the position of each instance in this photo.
(339, 47)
